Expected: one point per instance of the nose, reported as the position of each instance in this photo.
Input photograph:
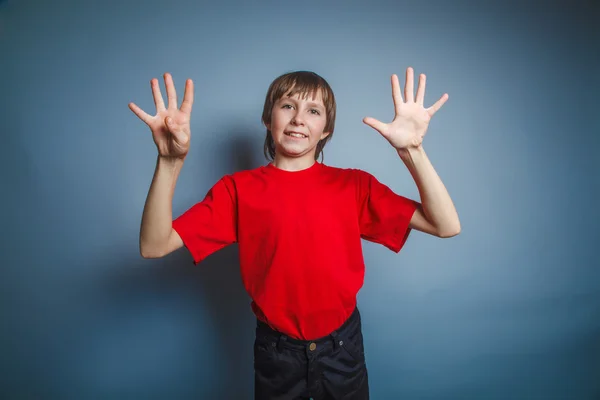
(297, 119)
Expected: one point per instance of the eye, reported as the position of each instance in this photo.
(314, 111)
(285, 106)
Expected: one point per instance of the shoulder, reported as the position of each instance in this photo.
(249, 179)
(234, 179)
(245, 175)
(357, 180)
(355, 176)
(232, 184)
(345, 172)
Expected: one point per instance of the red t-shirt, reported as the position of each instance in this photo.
(299, 236)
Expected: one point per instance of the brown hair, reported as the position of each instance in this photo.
(306, 83)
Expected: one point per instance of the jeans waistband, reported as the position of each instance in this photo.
(264, 330)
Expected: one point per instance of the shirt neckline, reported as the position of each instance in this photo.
(314, 168)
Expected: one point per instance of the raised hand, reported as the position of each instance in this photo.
(412, 119)
(170, 126)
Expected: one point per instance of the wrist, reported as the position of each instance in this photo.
(411, 152)
(170, 162)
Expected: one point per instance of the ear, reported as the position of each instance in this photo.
(324, 135)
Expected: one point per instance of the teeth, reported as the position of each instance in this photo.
(298, 135)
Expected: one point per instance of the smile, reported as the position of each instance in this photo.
(295, 134)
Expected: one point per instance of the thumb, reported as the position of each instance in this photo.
(170, 123)
(179, 136)
(375, 124)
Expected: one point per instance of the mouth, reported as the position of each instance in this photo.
(297, 135)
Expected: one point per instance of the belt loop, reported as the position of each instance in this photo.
(334, 337)
(282, 338)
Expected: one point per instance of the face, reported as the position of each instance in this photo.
(297, 125)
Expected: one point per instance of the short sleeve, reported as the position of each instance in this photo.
(211, 224)
(384, 216)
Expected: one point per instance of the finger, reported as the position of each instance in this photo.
(158, 100)
(140, 113)
(375, 124)
(421, 89)
(409, 86)
(188, 97)
(171, 94)
(396, 93)
(438, 104)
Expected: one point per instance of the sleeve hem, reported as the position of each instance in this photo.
(402, 232)
(185, 236)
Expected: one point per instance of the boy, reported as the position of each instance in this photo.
(299, 225)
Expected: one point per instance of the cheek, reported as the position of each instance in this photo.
(277, 121)
(319, 125)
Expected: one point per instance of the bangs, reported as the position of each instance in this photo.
(303, 84)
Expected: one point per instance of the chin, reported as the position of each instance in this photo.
(292, 152)
(292, 149)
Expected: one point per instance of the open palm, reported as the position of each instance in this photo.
(411, 118)
(170, 126)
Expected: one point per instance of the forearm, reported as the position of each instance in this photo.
(157, 217)
(437, 204)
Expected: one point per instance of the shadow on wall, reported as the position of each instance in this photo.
(163, 317)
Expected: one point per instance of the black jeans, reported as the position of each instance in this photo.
(331, 367)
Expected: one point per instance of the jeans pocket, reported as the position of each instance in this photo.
(354, 348)
(264, 347)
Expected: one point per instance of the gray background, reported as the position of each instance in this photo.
(509, 309)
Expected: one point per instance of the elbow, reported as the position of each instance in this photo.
(450, 232)
(144, 253)
(147, 253)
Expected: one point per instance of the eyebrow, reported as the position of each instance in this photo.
(310, 103)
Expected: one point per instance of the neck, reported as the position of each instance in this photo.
(294, 163)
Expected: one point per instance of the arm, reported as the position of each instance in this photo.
(170, 129)
(437, 215)
(157, 237)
